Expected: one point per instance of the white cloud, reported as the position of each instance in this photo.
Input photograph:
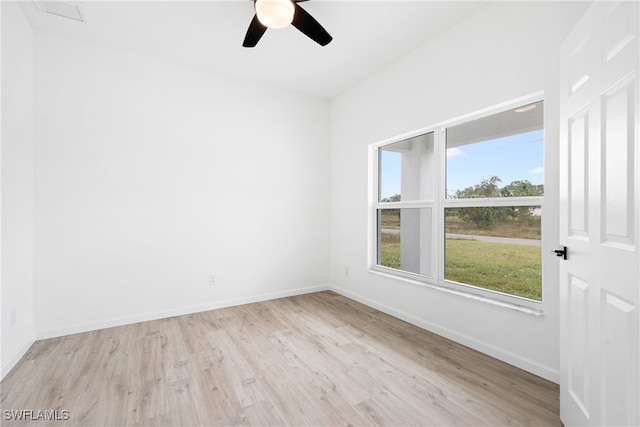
(537, 171)
(454, 152)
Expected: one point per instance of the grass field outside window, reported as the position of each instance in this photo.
(502, 267)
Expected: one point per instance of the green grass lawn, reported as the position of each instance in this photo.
(390, 251)
(502, 267)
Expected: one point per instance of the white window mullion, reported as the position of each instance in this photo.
(494, 201)
(440, 193)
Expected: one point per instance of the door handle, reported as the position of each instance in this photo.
(564, 252)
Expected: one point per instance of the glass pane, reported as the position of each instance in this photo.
(495, 248)
(497, 156)
(406, 170)
(404, 239)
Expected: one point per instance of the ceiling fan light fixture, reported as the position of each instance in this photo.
(275, 13)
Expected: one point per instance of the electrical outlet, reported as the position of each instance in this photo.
(14, 316)
(212, 280)
(346, 271)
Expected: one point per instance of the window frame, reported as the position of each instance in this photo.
(438, 205)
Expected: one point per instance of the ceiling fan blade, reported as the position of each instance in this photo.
(306, 23)
(254, 33)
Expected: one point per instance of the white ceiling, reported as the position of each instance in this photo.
(367, 36)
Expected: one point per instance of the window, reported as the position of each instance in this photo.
(406, 181)
(460, 206)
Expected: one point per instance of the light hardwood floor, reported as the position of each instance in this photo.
(317, 359)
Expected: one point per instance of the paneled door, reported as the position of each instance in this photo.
(599, 218)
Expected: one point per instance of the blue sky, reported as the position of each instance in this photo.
(512, 158)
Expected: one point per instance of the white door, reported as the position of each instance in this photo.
(599, 218)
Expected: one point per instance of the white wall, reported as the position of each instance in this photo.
(507, 50)
(17, 186)
(150, 177)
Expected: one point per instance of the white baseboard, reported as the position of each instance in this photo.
(524, 363)
(162, 314)
(8, 365)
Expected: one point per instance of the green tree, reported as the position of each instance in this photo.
(482, 217)
(485, 188)
(394, 198)
(486, 217)
(521, 189)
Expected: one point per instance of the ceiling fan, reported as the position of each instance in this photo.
(279, 14)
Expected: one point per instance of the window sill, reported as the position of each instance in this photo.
(468, 295)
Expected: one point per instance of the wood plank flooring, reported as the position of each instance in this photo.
(316, 359)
